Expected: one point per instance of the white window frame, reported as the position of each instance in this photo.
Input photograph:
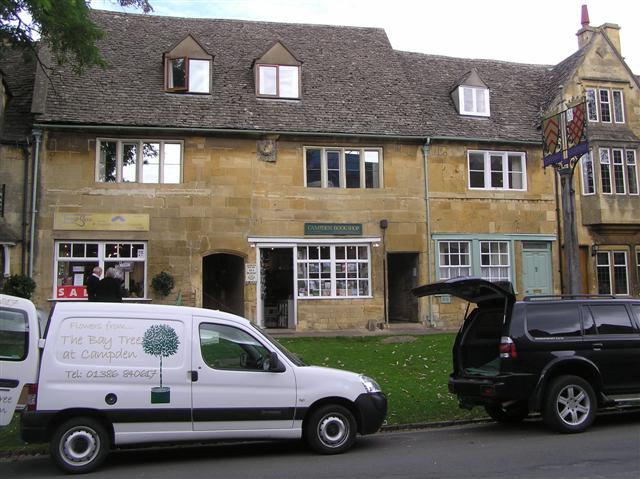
(278, 85)
(474, 92)
(120, 142)
(604, 266)
(592, 107)
(587, 159)
(618, 167)
(333, 280)
(608, 168)
(607, 102)
(343, 175)
(631, 170)
(101, 258)
(505, 170)
(621, 102)
(446, 258)
(491, 255)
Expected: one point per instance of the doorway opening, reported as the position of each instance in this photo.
(223, 283)
(402, 273)
(276, 269)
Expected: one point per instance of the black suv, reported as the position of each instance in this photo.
(565, 356)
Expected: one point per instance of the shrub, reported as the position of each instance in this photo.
(19, 285)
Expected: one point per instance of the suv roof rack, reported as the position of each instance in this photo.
(568, 296)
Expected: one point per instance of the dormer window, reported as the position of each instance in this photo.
(277, 74)
(281, 81)
(474, 101)
(471, 95)
(188, 68)
(188, 75)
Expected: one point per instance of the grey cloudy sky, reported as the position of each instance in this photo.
(534, 31)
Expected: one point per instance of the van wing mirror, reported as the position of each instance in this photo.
(275, 366)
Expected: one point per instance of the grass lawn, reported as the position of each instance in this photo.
(412, 374)
(412, 371)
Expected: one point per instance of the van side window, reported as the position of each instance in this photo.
(636, 311)
(226, 347)
(612, 319)
(14, 335)
(553, 320)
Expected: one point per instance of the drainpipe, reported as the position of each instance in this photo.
(37, 134)
(25, 206)
(425, 155)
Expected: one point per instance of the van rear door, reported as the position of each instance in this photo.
(19, 355)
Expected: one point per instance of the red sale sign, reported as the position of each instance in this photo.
(71, 292)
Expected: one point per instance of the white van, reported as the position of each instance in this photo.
(112, 374)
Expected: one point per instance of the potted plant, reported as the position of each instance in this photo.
(19, 285)
(162, 283)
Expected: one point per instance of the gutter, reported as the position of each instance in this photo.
(226, 131)
(25, 206)
(420, 138)
(37, 134)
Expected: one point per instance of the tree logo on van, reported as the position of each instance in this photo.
(161, 341)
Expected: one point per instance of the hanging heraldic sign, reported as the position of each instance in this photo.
(564, 136)
(338, 229)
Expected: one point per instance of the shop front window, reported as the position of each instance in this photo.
(75, 260)
(333, 271)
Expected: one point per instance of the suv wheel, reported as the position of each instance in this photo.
(511, 414)
(570, 405)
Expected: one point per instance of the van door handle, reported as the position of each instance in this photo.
(193, 375)
(597, 346)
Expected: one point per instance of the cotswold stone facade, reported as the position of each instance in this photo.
(306, 188)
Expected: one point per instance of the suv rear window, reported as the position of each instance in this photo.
(608, 319)
(553, 320)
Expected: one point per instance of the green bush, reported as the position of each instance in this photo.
(162, 283)
(19, 285)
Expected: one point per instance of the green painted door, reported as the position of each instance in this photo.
(536, 272)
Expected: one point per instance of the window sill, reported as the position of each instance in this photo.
(314, 298)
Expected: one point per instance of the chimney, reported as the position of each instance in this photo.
(612, 31)
(587, 31)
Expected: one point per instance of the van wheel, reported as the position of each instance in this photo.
(79, 445)
(570, 405)
(330, 429)
(512, 414)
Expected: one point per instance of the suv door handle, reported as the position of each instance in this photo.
(597, 346)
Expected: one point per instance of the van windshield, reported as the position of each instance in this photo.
(290, 356)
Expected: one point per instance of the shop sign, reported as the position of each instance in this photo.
(250, 273)
(100, 222)
(338, 229)
(71, 292)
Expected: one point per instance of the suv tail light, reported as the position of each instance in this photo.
(507, 348)
(32, 397)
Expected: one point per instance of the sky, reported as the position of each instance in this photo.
(534, 31)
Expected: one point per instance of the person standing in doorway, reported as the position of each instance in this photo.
(93, 283)
(109, 289)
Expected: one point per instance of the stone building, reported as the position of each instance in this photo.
(606, 183)
(304, 176)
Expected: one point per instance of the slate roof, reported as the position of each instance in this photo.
(350, 81)
(516, 92)
(19, 76)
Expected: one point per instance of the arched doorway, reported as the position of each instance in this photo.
(223, 282)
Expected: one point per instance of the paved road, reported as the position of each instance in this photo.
(610, 449)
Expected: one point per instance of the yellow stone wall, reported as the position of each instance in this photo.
(14, 161)
(226, 196)
(456, 209)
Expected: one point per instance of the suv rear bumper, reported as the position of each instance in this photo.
(495, 390)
